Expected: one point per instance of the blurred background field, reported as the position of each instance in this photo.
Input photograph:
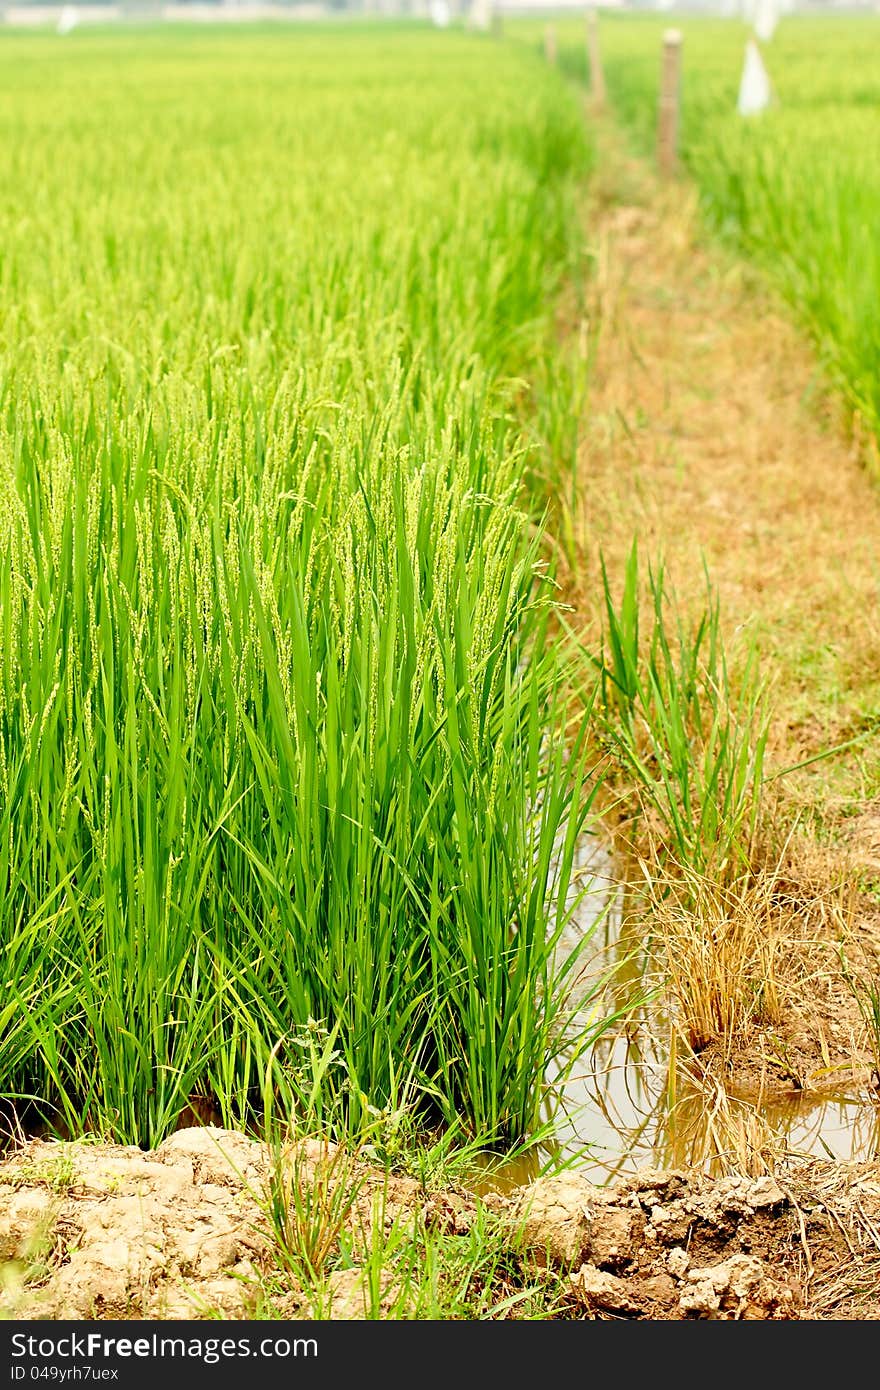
(797, 187)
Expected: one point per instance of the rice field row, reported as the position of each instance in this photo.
(283, 805)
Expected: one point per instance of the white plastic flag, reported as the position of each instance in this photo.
(67, 20)
(766, 19)
(754, 87)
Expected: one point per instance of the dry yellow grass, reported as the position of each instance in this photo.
(724, 951)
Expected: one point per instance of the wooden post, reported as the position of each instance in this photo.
(594, 59)
(670, 88)
(550, 44)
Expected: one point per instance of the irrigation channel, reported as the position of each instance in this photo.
(629, 1103)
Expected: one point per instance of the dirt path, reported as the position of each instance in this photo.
(710, 434)
(713, 437)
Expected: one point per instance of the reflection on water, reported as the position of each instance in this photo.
(622, 1113)
(627, 1104)
(845, 1127)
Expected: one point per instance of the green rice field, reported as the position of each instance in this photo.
(282, 788)
(290, 782)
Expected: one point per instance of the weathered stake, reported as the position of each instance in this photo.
(594, 60)
(670, 88)
(550, 43)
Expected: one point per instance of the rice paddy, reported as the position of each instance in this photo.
(283, 784)
(420, 545)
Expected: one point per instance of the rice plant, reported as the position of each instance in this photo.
(278, 690)
(689, 738)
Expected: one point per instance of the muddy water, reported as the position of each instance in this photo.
(627, 1104)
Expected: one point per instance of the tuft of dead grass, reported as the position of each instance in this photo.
(724, 949)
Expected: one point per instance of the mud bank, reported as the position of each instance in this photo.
(97, 1231)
